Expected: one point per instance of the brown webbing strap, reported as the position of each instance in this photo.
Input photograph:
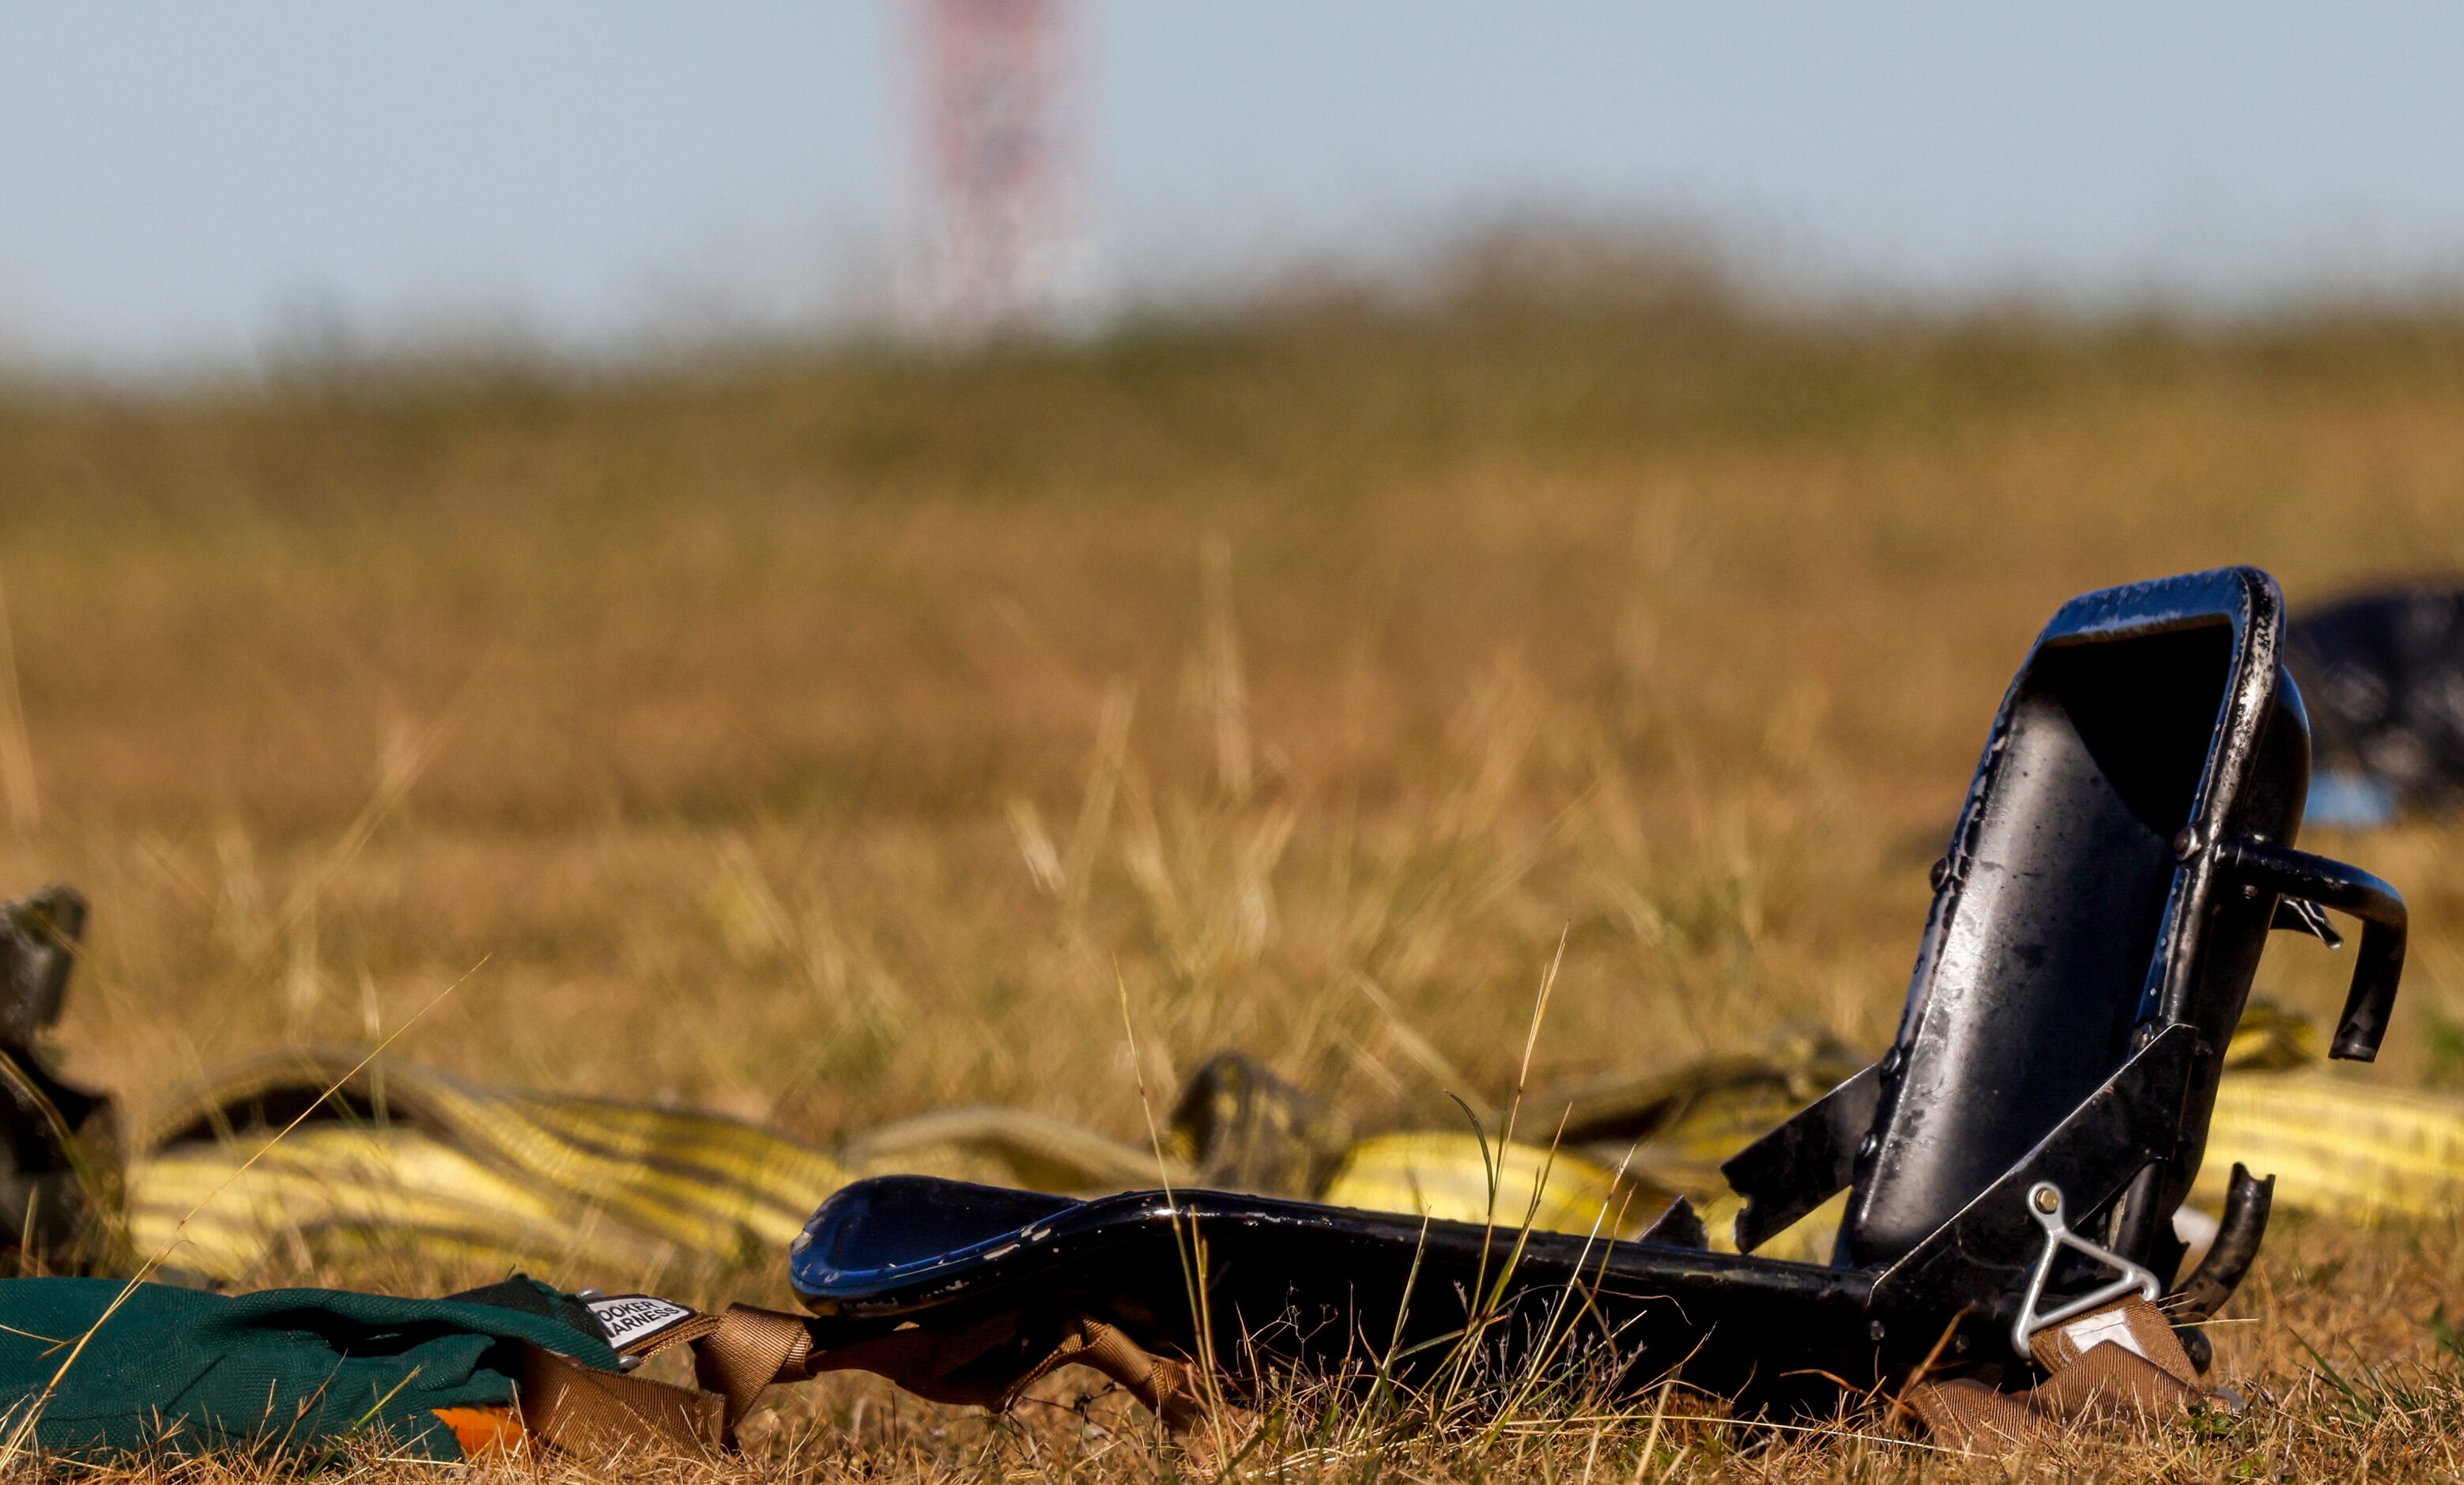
(2122, 1360)
(747, 1351)
(736, 1355)
(1965, 1414)
(682, 1333)
(1163, 1386)
(583, 1410)
(2134, 1326)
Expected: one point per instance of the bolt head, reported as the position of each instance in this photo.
(2045, 1199)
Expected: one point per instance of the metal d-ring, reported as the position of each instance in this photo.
(2045, 1204)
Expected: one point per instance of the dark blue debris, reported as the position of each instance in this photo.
(2383, 673)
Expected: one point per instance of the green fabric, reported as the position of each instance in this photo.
(287, 1371)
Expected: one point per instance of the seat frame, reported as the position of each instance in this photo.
(2122, 854)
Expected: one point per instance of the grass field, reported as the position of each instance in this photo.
(829, 738)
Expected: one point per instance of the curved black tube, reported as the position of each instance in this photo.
(2348, 889)
(2247, 1204)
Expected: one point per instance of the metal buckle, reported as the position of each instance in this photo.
(2045, 1204)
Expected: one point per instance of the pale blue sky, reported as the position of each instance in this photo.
(180, 179)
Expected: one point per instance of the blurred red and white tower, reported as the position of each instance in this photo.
(1001, 247)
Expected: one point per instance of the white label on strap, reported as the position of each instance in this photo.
(2112, 1325)
(630, 1319)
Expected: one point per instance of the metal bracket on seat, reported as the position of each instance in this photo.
(1995, 1242)
(2045, 1204)
(1803, 1163)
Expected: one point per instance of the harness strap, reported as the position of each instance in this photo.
(582, 1410)
(1167, 1389)
(2135, 1327)
(2122, 1360)
(737, 1355)
(2118, 1360)
(747, 1351)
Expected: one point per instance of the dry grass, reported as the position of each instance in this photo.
(823, 739)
